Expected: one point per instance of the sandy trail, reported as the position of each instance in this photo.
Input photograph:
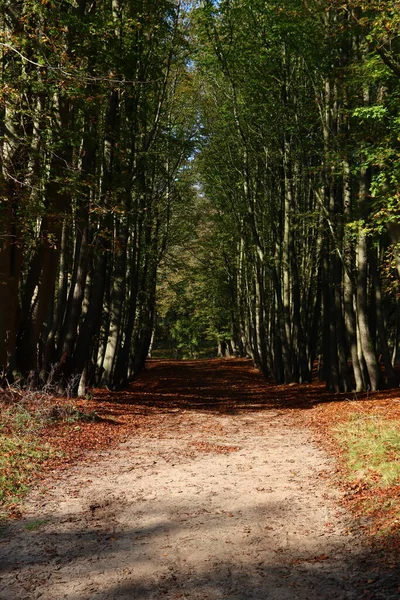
(207, 505)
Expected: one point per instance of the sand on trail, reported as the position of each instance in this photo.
(209, 504)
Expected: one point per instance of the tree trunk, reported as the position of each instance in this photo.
(390, 373)
(368, 352)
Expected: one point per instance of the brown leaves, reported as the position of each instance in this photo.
(210, 448)
(171, 388)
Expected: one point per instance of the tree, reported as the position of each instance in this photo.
(93, 146)
(288, 157)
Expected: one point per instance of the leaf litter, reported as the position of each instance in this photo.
(180, 461)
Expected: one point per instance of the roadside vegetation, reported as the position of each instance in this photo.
(370, 446)
(372, 449)
(364, 434)
(25, 419)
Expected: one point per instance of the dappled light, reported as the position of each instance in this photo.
(217, 489)
(200, 300)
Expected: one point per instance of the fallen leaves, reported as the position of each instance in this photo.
(310, 559)
(214, 448)
(225, 387)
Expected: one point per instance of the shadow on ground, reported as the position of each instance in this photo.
(101, 560)
(98, 553)
(219, 385)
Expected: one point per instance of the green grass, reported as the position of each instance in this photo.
(19, 458)
(33, 525)
(22, 417)
(372, 449)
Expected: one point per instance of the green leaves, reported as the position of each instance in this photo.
(373, 113)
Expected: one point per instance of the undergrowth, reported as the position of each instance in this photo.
(19, 458)
(24, 415)
(372, 449)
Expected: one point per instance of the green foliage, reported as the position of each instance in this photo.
(193, 296)
(374, 113)
(225, 141)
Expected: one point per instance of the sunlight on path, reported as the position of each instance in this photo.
(206, 506)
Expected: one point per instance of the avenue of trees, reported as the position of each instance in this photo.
(301, 162)
(232, 165)
(95, 128)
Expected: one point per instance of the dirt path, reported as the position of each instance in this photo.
(224, 499)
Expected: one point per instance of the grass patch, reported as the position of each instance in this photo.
(33, 525)
(372, 449)
(23, 417)
(19, 458)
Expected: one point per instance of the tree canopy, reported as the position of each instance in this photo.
(227, 171)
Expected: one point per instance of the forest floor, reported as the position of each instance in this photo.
(202, 481)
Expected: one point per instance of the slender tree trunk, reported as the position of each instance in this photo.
(362, 315)
(116, 307)
(49, 355)
(390, 373)
(304, 372)
(38, 298)
(76, 293)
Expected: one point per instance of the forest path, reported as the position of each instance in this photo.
(224, 497)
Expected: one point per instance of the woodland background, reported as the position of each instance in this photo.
(221, 170)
